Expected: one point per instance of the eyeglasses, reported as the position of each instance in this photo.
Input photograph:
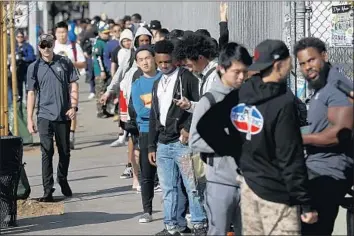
(45, 44)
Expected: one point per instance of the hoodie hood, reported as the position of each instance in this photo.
(139, 32)
(126, 34)
(254, 91)
(218, 87)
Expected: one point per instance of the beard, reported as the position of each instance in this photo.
(321, 80)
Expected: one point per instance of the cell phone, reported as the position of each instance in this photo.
(343, 87)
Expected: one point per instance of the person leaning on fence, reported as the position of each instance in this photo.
(52, 78)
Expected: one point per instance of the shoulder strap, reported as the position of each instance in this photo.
(205, 78)
(73, 46)
(210, 98)
(35, 70)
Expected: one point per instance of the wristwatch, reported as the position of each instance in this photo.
(75, 108)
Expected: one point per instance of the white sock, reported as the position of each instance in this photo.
(122, 137)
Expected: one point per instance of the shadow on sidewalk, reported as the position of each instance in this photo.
(78, 179)
(70, 219)
(77, 197)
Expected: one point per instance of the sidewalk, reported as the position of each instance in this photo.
(103, 204)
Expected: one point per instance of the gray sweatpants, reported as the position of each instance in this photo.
(222, 197)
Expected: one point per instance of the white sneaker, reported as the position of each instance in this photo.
(138, 189)
(91, 96)
(145, 218)
(117, 143)
(158, 189)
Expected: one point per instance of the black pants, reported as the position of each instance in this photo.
(327, 194)
(61, 131)
(148, 173)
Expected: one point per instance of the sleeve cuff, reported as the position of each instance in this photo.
(152, 149)
(306, 208)
(191, 109)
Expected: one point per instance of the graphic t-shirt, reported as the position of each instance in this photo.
(67, 50)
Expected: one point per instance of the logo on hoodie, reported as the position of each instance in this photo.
(247, 119)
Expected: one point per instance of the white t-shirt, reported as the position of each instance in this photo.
(67, 51)
(165, 91)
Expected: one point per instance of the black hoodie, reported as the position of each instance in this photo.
(270, 154)
(177, 118)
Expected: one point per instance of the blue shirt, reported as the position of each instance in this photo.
(142, 100)
(110, 46)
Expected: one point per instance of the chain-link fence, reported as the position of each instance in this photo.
(333, 23)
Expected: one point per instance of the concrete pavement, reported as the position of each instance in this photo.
(103, 204)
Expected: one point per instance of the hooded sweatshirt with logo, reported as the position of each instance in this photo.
(263, 118)
(224, 169)
(122, 69)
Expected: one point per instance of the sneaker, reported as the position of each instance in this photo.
(116, 118)
(127, 173)
(102, 115)
(200, 230)
(72, 140)
(166, 232)
(186, 231)
(65, 188)
(157, 189)
(145, 218)
(91, 96)
(118, 143)
(138, 189)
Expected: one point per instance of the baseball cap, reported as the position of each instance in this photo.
(268, 52)
(103, 27)
(145, 48)
(46, 37)
(155, 24)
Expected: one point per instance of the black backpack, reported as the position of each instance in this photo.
(212, 102)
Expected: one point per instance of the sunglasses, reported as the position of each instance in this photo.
(45, 44)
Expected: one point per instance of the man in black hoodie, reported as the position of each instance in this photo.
(262, 117)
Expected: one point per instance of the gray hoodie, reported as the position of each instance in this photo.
(224, 168)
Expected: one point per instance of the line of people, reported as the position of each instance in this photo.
(219, 127)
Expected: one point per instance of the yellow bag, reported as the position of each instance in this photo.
(198, 168)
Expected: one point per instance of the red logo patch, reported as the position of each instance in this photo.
(256, 55)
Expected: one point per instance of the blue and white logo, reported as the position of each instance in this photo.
(247, 119)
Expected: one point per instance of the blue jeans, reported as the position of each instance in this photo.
(173, 163)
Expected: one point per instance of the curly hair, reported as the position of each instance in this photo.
(164, 47)
(310, 42)
(193, 46)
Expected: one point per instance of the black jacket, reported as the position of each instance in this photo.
(177, 118)
(271, 156)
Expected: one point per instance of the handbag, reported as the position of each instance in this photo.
(23, 188)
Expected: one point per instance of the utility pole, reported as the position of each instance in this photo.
(2, 105)
(4, 78)
(13, 66)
